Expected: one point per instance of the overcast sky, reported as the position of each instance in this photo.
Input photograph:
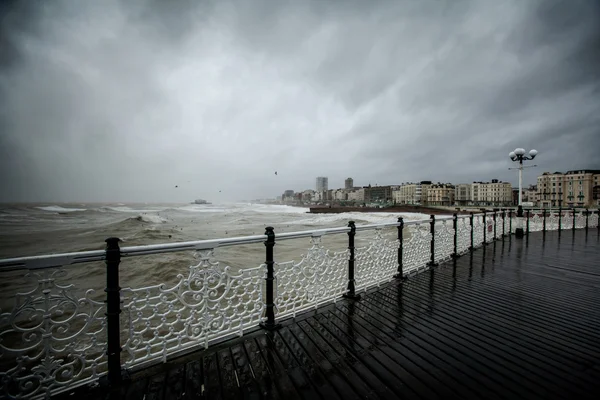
(121, 100)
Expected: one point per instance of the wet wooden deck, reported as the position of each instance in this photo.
(516, 319)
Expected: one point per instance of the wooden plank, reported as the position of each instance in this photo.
(248, 385)
(212, 380)
(156, 387)
(373, 358)
(194, 381)
(175, 383)
(276, 352)
(229, 380)
(314, 372)
(365, 387)
(264, 378)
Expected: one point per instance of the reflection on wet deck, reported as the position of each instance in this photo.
(514, 319)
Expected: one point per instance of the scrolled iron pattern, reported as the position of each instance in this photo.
(208, 303)
(52, 337)
(580, 219)
(536, 221)
(478, 228)
(417, 242)
(464, 235)
(377, 262)
(593, 219)
(444, 240)
(552, 220)
(319, 277)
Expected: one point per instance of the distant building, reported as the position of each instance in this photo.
(349, 184)
(462, 194)
(576, 188)
(378, 194)
(322, 184)
(440, 194)
(412, 193)
(357, 195)
(494, 193)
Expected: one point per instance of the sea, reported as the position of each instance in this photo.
(38, 229)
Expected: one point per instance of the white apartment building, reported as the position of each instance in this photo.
(411, 193)
(357, 195)
(462, 194)
(494, 193)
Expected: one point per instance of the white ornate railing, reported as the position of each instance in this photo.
(55, 335)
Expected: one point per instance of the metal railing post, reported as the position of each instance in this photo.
(455, 227)
(471, 247)
(270, 304)
(495, 237)
(587, 215)
(528, 216)
(400, 274)
(503, 222)
(484, 229)
(432, 263)
(113, 311)
(350, 294)
(544, 220)
(574, 218)
(559, 218)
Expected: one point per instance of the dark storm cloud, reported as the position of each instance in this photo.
(123, 100)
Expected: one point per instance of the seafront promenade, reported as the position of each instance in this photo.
(449, 306)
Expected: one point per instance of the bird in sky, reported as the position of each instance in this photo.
(275, 172)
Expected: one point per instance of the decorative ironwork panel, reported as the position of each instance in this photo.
(567, 220)
(478, 228)
(416, 247)
(501, 224)
(552, 221)
(208, 303)
(464, 235)
(319, 277)
(536, 221)
(51, 338)
(593, 220)
(444, 240)
(580, 219)
(377, 262)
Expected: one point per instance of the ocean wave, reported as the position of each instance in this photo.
(148, 218)
(59, 209)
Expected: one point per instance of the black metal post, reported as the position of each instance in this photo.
(559, 218)
(495, 237)
(113, 311)
(574, 216)
(350, 294)
(503, 222)
(400, 275)
(484, 229)
(455, 227)
(528, 216)
(544, 220)
(432, 263)
(270, 305)
(471, 247)
(519, 230)
(587, 215)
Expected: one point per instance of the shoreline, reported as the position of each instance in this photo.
(395, 209)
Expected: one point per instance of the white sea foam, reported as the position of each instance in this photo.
(153, 219)
(59, 209)
(371, 218)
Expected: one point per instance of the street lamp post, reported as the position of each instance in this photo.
(518, 155)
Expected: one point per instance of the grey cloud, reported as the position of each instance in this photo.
(121, 101)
